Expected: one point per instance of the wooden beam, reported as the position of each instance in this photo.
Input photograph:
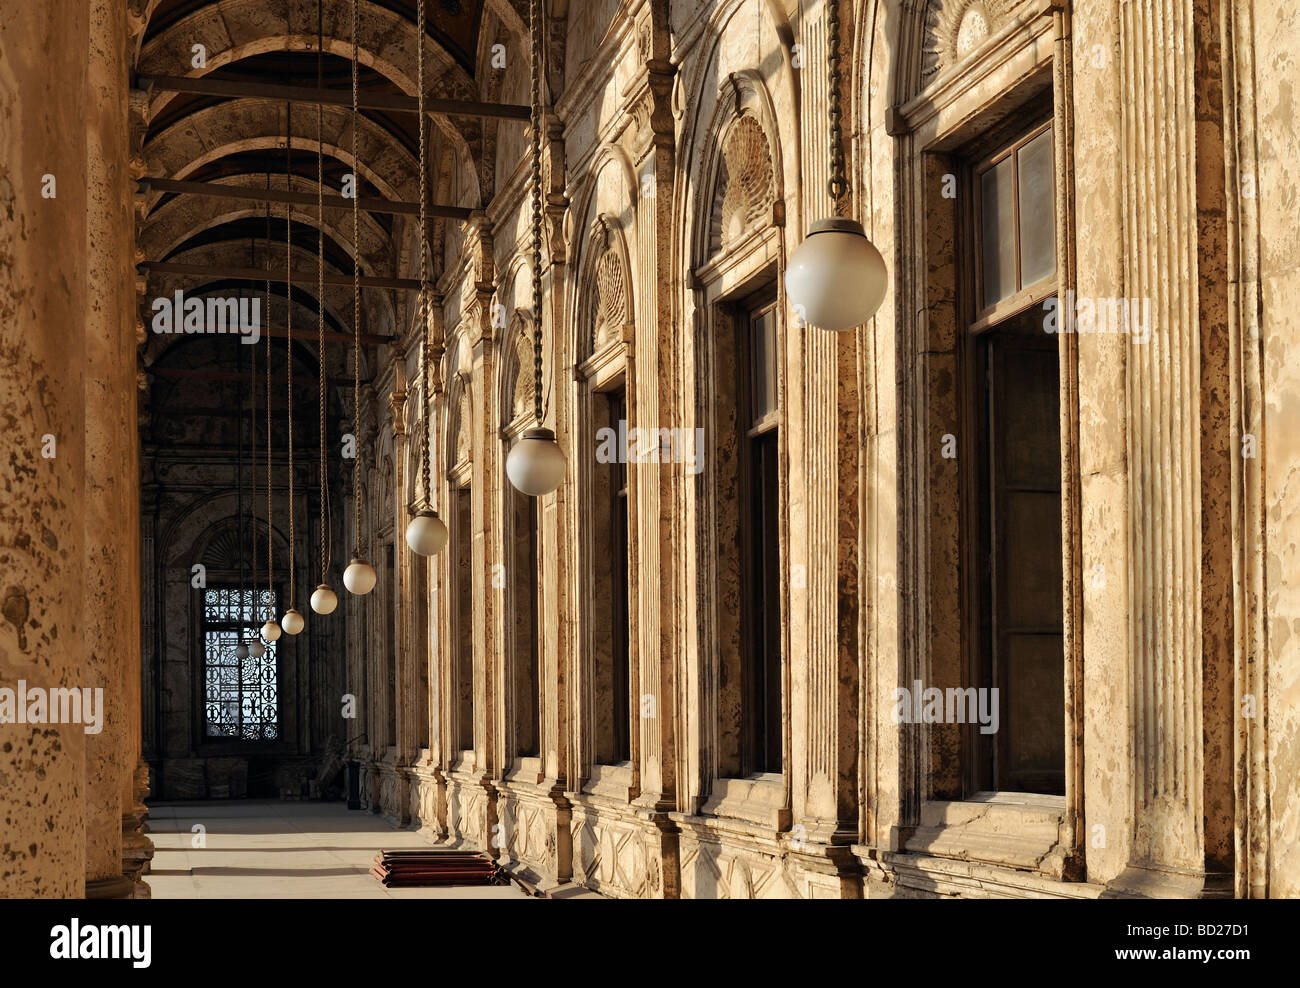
(394, 102)
(221, 191)
(304, 278)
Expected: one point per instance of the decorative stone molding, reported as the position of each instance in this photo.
(556, 204)
(955, 28)
(744, 190)
(462, 427)
(397, 412)
(650, 106)
(523, 388)
(610, 298)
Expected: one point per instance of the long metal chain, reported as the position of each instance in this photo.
(838, 184)
(239, 479)
(252, 470)
(356, 296)
(320, 289)
(425, 353)
(288, 339)
(270, 518)
(534, 26)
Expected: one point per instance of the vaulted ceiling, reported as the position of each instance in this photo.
(266, 143)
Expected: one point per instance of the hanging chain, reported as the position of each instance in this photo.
(838, 184)
(239, 480)
(288, 339)
(425, 353)
(534, 26)
(356, 297)
(252, 470)
(320, 294)
(270, 526)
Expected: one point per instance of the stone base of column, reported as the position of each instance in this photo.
(535, 829)
(472, 811)
(622, 851)
(116, 887)
(1146, 881)
(137, 848)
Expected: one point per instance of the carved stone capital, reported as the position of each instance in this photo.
(650, 107)
(397, 409)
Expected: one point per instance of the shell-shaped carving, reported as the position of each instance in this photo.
(955, 28)
(223, 551)
(419, 436)
(464, 419)
(521, 401)
(744, 192)
(611, 297)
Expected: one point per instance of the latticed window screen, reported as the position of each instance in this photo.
(240, 696)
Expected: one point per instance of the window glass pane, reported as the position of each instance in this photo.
(763, 361)
(241, 696)
(998, 231)
(1037, 213)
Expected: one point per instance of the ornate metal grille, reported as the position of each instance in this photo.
(241, 697)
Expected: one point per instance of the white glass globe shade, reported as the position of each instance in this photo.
(359, 577)
(536, 464)
(292, 622)
(256, 649)
(324, 599)
(836, 278)
(426, 534)
(270, 631)
(241, 651)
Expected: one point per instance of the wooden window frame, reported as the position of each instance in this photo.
(756, 729)
(978, 322)
(1025, 296)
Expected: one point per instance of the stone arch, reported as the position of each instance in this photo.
(726, 91)
(338, 298)
(205, 523)
(386, 45)
(609, 190)
(182, 219)
(214, 132)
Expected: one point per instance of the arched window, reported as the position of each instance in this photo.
(522, 572)
(741, 404)
(460, 561)
(605, 319)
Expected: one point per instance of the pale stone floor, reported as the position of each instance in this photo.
(265, 849)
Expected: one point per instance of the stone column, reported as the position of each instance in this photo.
(402, 577)
(485, 445)
(43, 297)
(824, 517)
(112, 628)
(554, 645)
(658, 399)
(1180, 678)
